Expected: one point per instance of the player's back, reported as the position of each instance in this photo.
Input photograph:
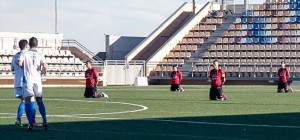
(18, 80)
(32, 66)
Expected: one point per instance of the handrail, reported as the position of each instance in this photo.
(82, 47)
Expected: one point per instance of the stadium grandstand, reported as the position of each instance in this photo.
(65, 58)
(250, 44)
(249, 40)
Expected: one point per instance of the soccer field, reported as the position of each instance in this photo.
(153, 112)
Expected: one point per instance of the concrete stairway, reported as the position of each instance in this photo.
(201, 49)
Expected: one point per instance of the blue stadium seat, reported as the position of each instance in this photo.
(298, 12)
(261, 40)
(244, 20)
(268, 40)
(256, 33)
(262, 26)
(255, 40)
(244, 14)
(261, 20)
(256, 20)
(249, 13)
(292, 6)
(292, 1)
(298, 19)
(249, 40)
(261, 33)
(298, 1)
(298, 5)
(268, 26)
(250, 26)
(293, 19)
(255, 26)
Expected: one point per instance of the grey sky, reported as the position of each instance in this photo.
(88, 20)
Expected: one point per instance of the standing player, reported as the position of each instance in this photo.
(217, 77)
(34, 66)
(18, 80)
(283, 74)
(176, 76)
(91, 82)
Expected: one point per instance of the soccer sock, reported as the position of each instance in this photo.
(33, 111)
(28, 112)
(42, 110)
(20, 111)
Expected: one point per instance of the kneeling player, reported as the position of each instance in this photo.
(283, 75)
(217, 77)
(176, 76)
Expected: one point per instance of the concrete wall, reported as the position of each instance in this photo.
(117, 47)
(158, 30)
(168, 46)
(10, 40)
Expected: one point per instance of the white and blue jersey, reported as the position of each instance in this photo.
(32, 61)
(19, 74)
(18, 81)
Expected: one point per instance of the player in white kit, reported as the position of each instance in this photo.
(18, 81)
(34, 65)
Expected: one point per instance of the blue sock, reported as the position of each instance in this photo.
(42, 111)
(28, 112)
(33, 110)
(20, 111)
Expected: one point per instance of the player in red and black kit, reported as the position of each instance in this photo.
(176, 76)
(91, 76)
(283, 74)
(217, 77)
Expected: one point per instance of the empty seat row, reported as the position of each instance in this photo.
(205, 28)
(64, 60)
(264, 26)
(212, 21)
(179, 55)
(268, 33)
(252, 54)
(198, 34)
(8, 52)
(258, 47)
(49, 52)
(194, 41)
(258, 40)
(281, 1)
(274, 20)
(171, 61)
(185, 48)
(249, 61)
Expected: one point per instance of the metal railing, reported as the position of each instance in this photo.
(73, 43)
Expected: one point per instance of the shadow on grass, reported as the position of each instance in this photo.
(260, 126)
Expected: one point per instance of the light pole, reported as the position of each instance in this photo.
(194, 6)
(55, 16)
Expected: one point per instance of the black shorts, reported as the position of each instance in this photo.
(215, 93)
(175, 87)
(282, 85)
(89, 92)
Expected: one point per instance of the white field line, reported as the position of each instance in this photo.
(142, 108)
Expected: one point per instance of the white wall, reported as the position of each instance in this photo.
(9, 40)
